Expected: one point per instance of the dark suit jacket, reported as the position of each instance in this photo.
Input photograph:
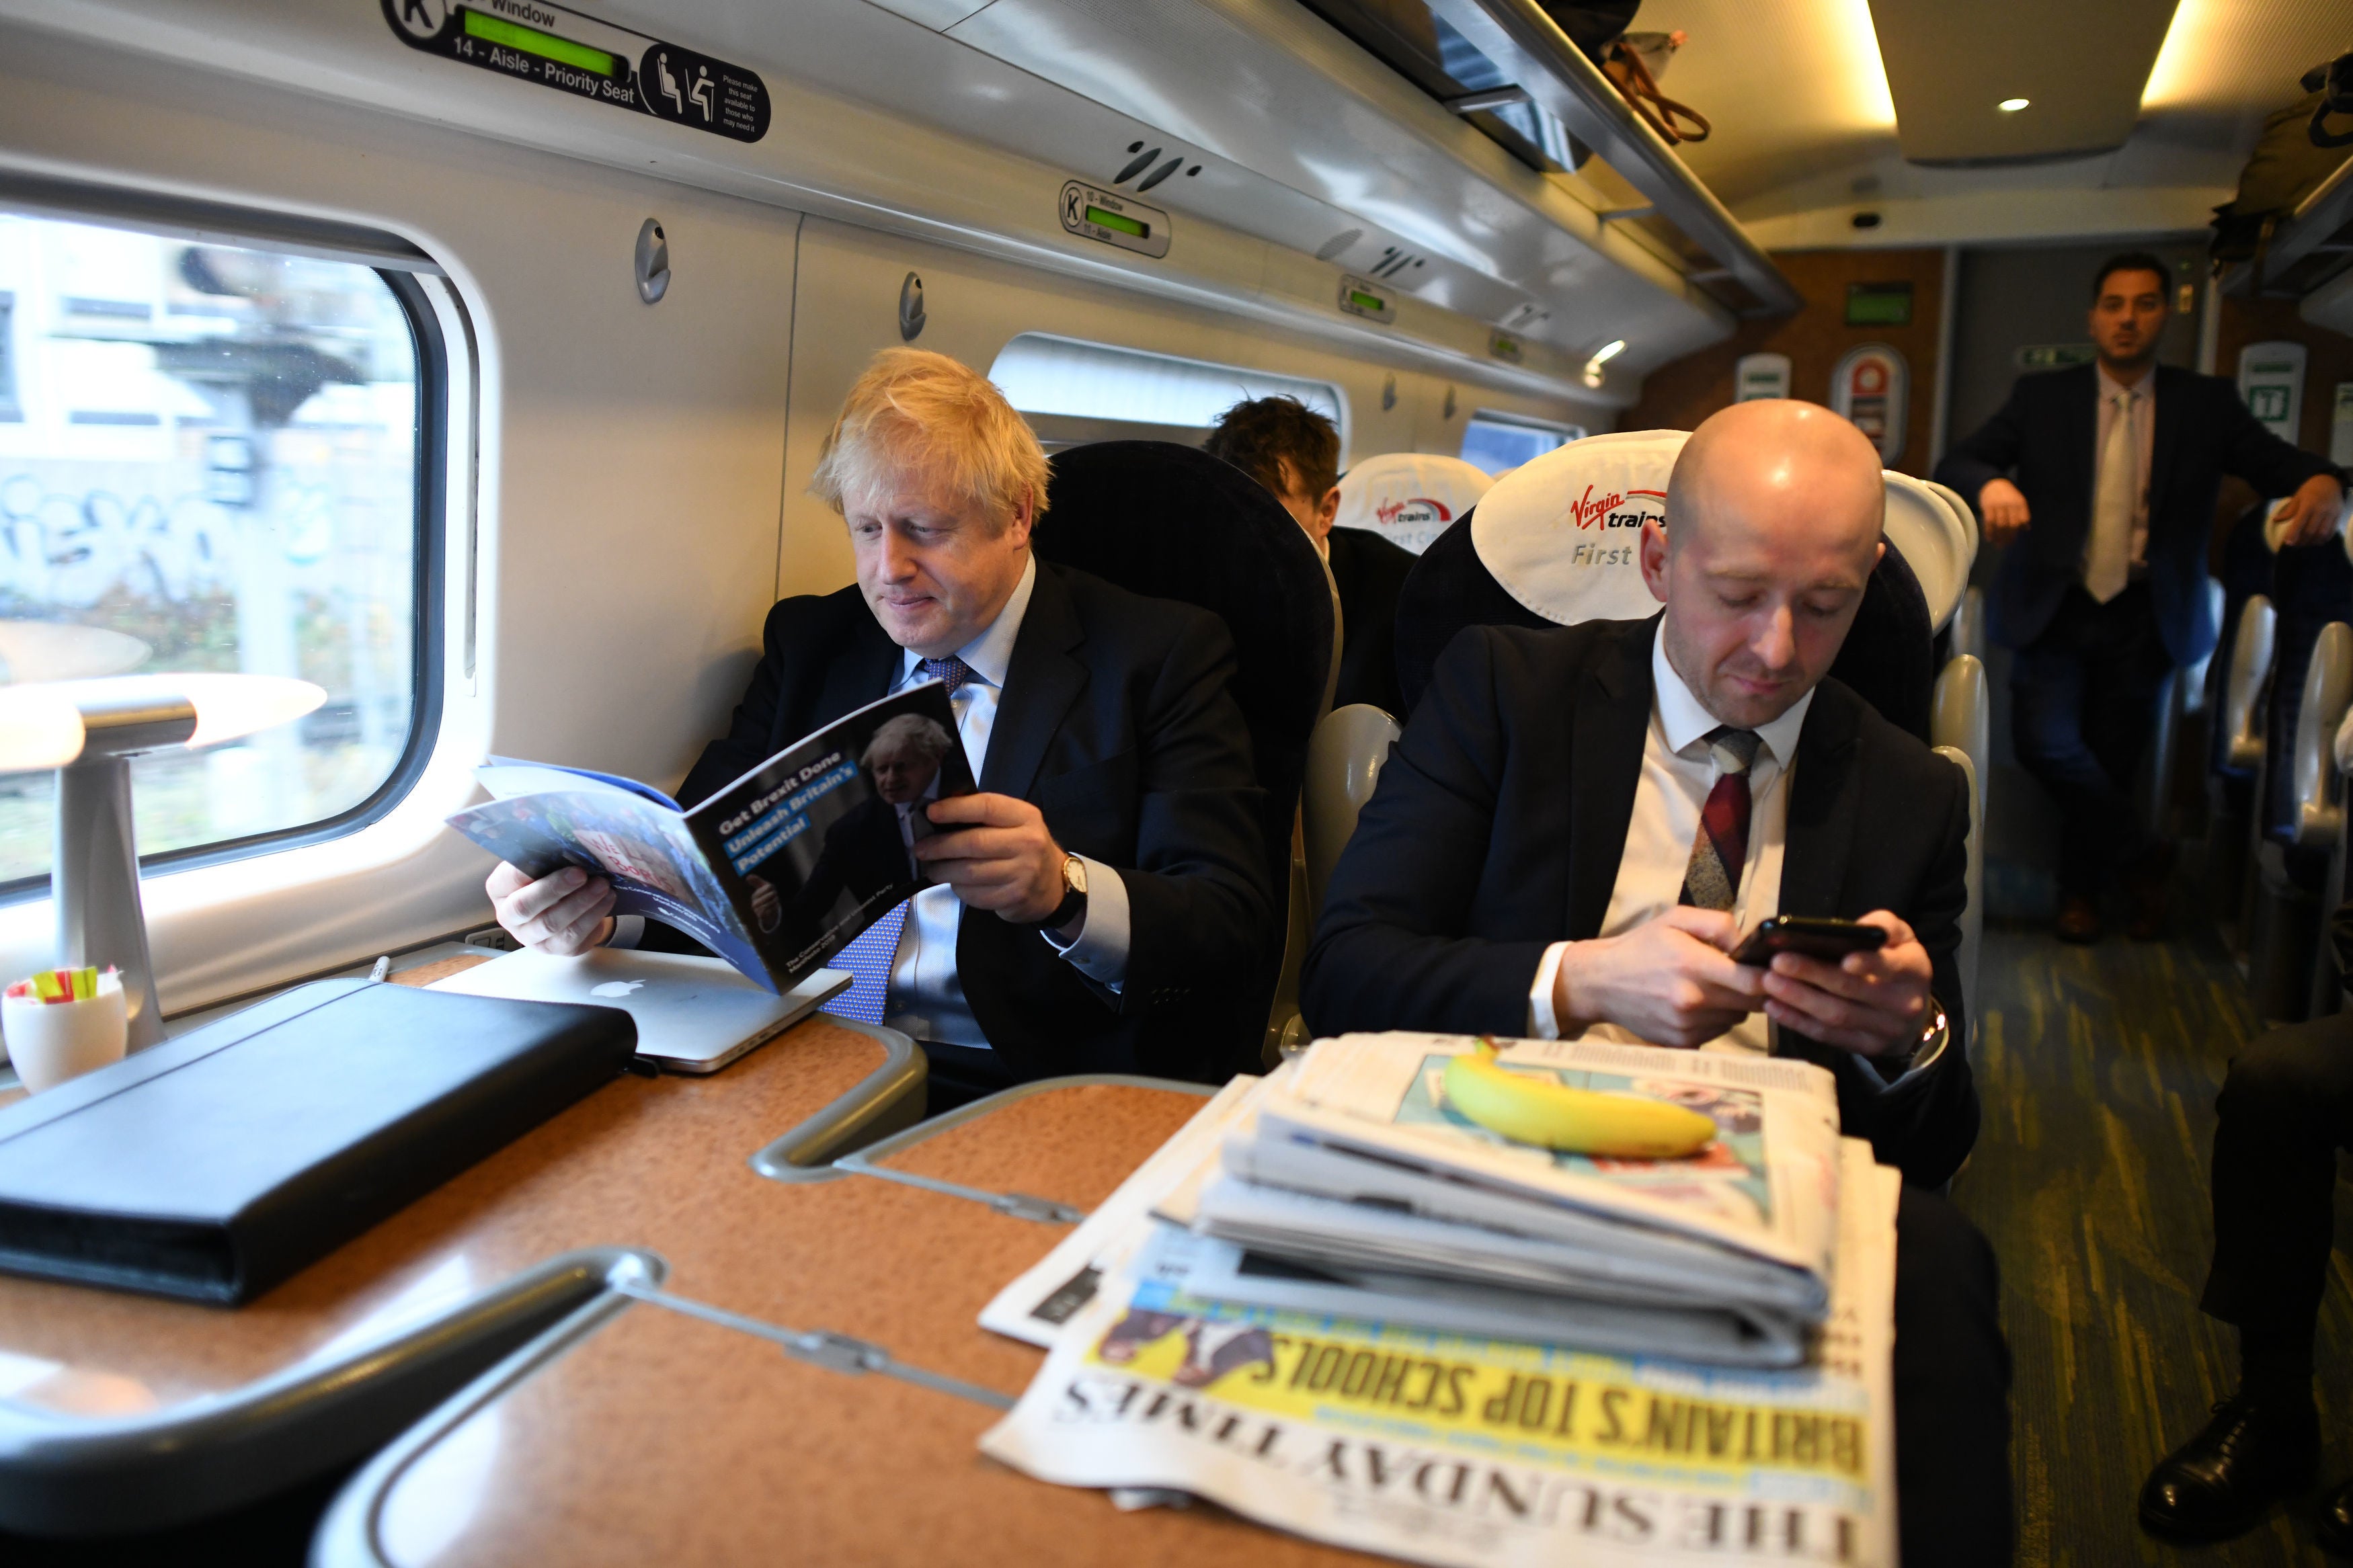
(1499, 820)
(1370, 572)
(1116, 724)
(2043, 440)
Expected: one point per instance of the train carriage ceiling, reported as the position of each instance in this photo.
(1808, 134)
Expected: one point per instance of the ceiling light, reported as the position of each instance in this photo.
(2012, 105)
(1602, 356)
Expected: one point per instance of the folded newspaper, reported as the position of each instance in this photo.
(1355, 1176)
(1452, 1446)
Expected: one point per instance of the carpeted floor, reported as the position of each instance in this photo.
(2098, 1069)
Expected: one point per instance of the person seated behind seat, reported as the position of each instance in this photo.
(2286, 1107)
(1578, 822)
(1113, 846)
(1294, 452)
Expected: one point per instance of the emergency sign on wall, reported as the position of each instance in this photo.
(1872, 386)
(2271, 380)
(1760, 375)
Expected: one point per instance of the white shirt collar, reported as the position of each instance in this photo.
(989, 655)
(1682, 720)
(2110, 386)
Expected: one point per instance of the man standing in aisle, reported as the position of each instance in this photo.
(2105, 476)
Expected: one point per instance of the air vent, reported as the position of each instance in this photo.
(1338, 242)
(1393, 261)
(1135, 166)
(1160, 174)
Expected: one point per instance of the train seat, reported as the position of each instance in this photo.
(1174, 522)
(2235, 681)
(1555, 544)
(2312, 592)
(1934, 542)
(1410, 498)
(2317, 824)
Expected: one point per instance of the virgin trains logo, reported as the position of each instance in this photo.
(1616, 508)
(1412, 511)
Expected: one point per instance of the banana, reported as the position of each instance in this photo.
(1531, 1109)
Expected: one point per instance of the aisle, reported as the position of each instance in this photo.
(2098, 1069)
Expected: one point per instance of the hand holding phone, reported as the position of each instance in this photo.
(1813, 936)
(1874, 998)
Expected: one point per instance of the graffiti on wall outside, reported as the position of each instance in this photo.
(69, 537)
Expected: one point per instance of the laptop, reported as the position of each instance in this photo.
(693, 1015)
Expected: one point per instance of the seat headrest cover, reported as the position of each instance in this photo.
(1952, 497)
(1410, 498)
(1561, 532)
(1932, 541)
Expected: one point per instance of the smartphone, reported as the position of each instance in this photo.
(1827, 940)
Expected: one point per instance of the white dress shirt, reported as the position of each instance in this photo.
(925, 998)
(1678, 771)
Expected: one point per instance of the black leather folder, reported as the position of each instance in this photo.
(214, 1166)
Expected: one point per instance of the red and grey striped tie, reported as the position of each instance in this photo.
(1720, 849)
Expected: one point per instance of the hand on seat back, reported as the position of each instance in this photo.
(1670, 980)
(2003, 507)
(2311, 514)
(562, 913)
(1006, 861)
(1869, 1003)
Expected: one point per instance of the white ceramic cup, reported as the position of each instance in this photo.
(49, 1042)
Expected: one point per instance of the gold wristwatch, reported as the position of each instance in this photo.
(1074, 898)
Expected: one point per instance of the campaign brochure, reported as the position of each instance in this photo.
(777, 872)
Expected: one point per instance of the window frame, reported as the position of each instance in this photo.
(1562, 429)
(12, 405)
(1059, 430)
(429, 566)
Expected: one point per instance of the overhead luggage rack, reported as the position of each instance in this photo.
(2311, 246)
(1540, 97)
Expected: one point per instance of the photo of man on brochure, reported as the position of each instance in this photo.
(871, 845)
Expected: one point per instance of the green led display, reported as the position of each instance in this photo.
(1879, 304)
(1104, 217)
(1365, 301)
(531, 41)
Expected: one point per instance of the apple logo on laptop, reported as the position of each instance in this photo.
(614, 988)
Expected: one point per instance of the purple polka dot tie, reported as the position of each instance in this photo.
(951, 672)
(868, 958)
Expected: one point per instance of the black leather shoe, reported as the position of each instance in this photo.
(2222, 1482)
(2333, 1529)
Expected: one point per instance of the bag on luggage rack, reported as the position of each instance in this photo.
(2295, 152)
(1635, 63)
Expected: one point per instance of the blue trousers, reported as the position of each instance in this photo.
(2083, 703)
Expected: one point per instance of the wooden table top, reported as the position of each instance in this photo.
(661, 1438)
(659, 1163)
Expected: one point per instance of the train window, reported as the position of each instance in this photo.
(1074, 391)
(211, 459)
(1499, 441)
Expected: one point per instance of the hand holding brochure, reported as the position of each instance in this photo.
(777, 872)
